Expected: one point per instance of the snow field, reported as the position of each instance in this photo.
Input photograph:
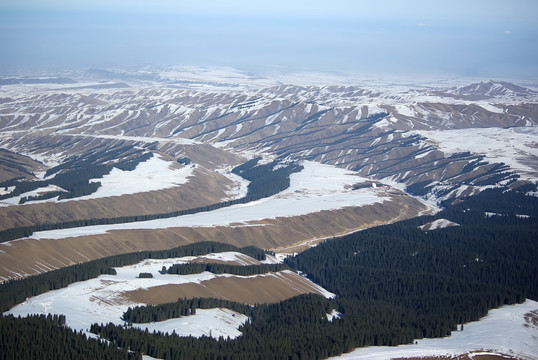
(437, 224)
(15, 200)
(150, 175)
(504, 330)
(206, 322)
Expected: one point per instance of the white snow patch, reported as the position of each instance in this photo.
(503, 330)
(239, 189)
(405, 110)
(7, 190)
(424, 154)
(40, 191)
(491, 107)
(150, 175)
(206, 322)
(272, 118)
(228, 256)
(238, 128)
(333, 315)
(437, 224)
(382, 124)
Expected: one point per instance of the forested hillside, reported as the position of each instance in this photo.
(13, 292)
(394, 283)
(40, 337)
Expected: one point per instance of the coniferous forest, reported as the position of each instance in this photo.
(393, 284)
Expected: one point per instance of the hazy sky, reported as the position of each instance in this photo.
(489, 38)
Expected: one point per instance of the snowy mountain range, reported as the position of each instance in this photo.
(440, 142)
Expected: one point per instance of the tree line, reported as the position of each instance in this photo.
(182, 307)
(241, 270)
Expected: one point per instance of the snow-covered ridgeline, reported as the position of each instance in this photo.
(259, 93)
(317, 187)
(153, 174)
(240, 188)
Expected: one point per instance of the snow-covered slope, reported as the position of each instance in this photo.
(104, 299)
(438, 224)
(511, 330)
(153, 174)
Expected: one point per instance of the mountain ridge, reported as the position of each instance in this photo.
(375, 132)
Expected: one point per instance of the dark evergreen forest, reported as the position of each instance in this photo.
(394, 283)
(46, 338)
(242, 270)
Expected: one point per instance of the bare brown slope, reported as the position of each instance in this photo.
(30, 256)
(268, 288)
(14, 165)
(203, 188)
